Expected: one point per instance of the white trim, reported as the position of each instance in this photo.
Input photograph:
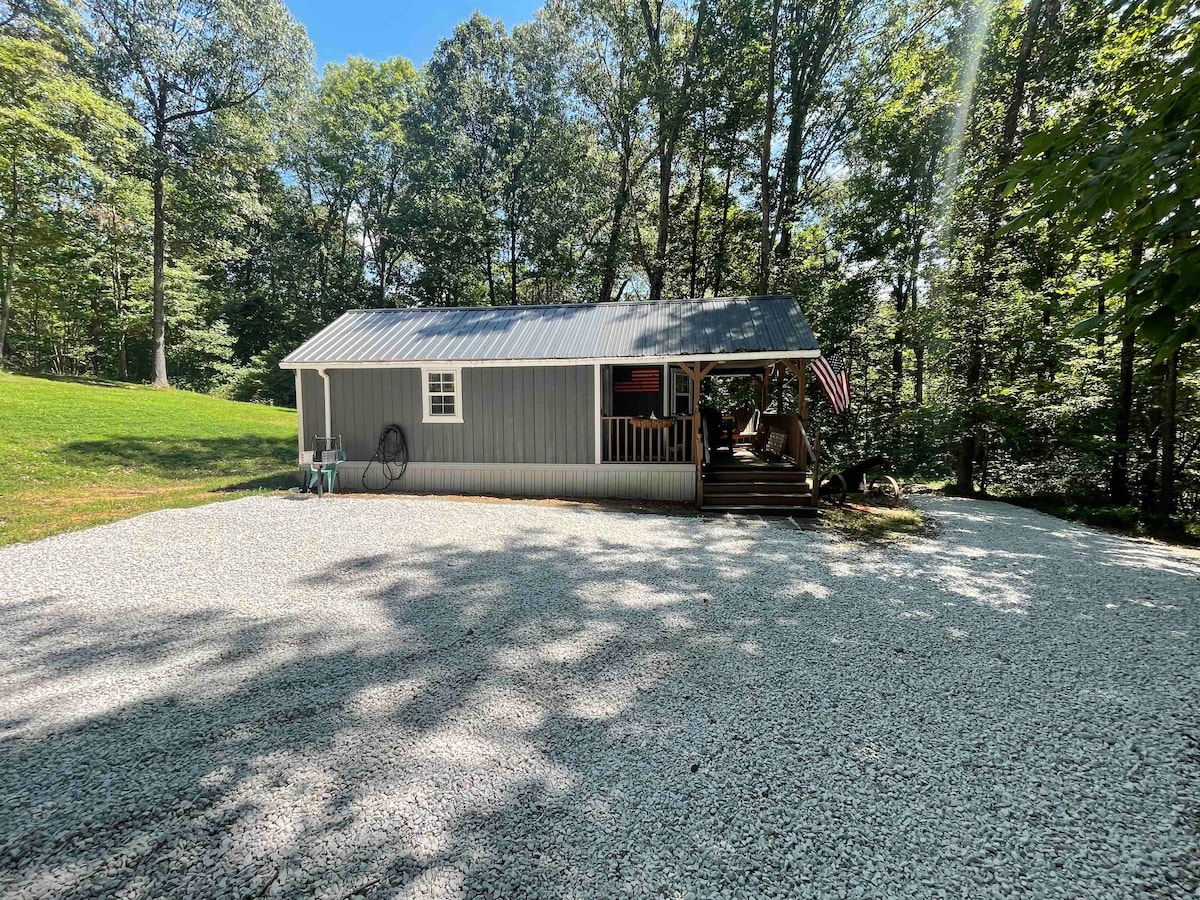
(683, 468)
(580, 361)
(599, 418)
(427, 416)
(328, 411)
(675, 483)
(675, 395)
(299, 412)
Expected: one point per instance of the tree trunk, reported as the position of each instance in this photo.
(914, 291)
(919, 375)
(1118, 483)
(6, 298)
(790, 177)
(968, 447)
(722, 235)
(965, 468)
(658, 265)
(608, 279)
(8, 255)
(491, 280)
(694, 263)
(158, 285)
(764, 166)
(1166, 481)
(901, 300)
(512, 264)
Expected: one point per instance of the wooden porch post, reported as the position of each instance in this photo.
(802, 391)
(800, 368)
(696, 373)
(766, 392)
(802, 405)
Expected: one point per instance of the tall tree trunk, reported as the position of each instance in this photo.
(694, 262)
(914, 294)
(8, 258)
(158, 285)
(968, 447)
(900, 298)
(512, 264)
(764, 164)
(5, 297)
(1166, 481)
(964, 473)
(789, 183)
(722, 235)
(608, 279)
(658, 265)
(491, 280)
(919, 375)
(1118, 483)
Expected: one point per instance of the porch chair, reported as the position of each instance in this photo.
(749, 431)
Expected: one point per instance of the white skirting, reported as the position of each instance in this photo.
(623, 481)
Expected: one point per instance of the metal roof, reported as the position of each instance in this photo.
(683, 329)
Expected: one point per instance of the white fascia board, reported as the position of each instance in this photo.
(774, 356)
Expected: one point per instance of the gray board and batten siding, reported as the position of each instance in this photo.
(526, 431)
(510, 414)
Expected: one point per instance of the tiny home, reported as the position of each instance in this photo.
(573, 400)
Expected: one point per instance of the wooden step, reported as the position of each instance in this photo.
(759, 475)
(758, 498)
(798, 512)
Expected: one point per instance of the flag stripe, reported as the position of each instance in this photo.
(831, 373)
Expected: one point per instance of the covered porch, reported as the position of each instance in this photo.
(751, 447)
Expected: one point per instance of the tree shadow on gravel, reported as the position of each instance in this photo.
(638, 704)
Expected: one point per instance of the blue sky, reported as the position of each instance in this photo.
(378, 29)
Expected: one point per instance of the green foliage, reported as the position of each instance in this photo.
(1121, 159)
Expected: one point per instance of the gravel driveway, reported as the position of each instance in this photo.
(414, 697)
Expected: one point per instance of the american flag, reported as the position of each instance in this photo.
(831, 372)
(637, 381)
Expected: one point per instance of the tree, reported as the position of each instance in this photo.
(183, 61)
(501, 165)
(52, 120)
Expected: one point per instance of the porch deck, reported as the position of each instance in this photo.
(743, 481)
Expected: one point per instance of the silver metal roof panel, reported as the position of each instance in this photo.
(709, 327)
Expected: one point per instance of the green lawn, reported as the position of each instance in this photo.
(80, 453)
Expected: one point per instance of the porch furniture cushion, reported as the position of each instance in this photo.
(750, 430)
(776, 440)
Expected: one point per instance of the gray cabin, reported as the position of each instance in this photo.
(573, 400)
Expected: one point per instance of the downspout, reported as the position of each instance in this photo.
(299, 411)
(328, 413)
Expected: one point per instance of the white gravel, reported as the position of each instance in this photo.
(413, 697)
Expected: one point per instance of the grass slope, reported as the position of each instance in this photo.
(81, 453)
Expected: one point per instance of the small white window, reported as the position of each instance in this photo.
(443, 395)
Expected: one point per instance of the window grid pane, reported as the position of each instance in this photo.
(441, 389)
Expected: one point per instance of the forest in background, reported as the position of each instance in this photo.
(990, 207)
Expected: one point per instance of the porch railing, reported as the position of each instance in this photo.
(627, 439)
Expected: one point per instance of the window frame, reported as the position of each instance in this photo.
(677, 374)
(429, 417)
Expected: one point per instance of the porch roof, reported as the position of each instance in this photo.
(720, 328)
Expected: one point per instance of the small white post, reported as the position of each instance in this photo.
(299, 412)
(596, 388)
(328, 413)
